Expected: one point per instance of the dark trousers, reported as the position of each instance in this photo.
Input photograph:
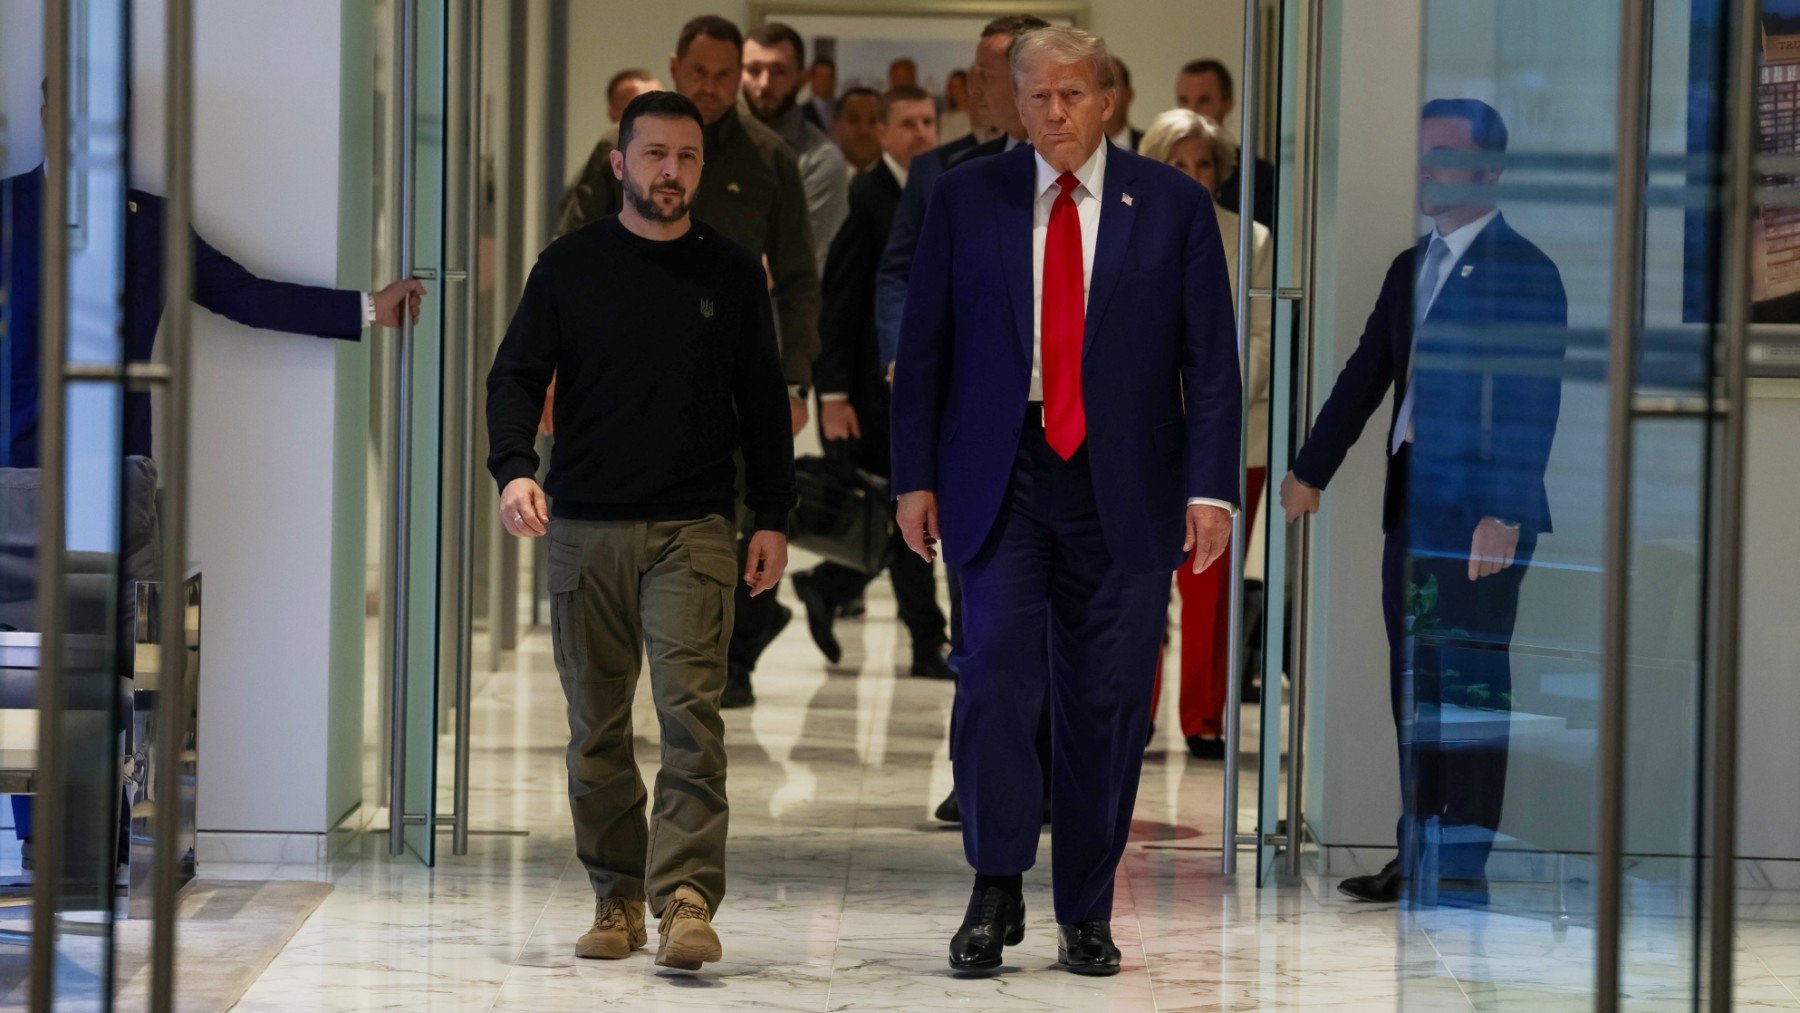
(915, 591)
(1450, 772)
(755, 616)
(1048, 614)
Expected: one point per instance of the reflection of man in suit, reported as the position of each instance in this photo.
(1067, 403)
(1474, 414)
(853, 392)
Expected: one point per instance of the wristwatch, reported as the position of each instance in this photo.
(799, 391)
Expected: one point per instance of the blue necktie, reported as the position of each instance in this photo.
(1424, 294)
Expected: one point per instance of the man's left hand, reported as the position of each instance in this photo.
(797, 413)
(767, 562)
(1493, 547)
(1208, 534)
(389, 300)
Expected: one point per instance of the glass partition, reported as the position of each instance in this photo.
(1500, 564)
(77, 514)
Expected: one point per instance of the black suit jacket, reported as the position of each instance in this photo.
(849, 356)
(1263, 182)
(1489, 385)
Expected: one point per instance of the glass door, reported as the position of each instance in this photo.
(1555, 551)
(406, 416)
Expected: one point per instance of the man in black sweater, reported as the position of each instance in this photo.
(853, 390)
(660, 332)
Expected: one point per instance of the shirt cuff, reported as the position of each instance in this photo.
(368, 308)
(829, 398)
(1221, 504)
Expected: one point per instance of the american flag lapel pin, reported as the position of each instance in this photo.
(1126, 198)
(1468, 269)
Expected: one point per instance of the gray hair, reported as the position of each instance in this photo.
(1063, 45)
(1177, 125)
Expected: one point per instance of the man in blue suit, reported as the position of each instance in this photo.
(221, 285)
(1066, 419)
(1467, 447)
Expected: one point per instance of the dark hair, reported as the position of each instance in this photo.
(857, 92)
(773, 33)
(1210, 66)
(1121, 73)
(903, 93)
(825, 61)
(628, 74)
(713, 27)
(904, 59)
(956, 74)
(1485, 124)
(1014, 25)
(668, 105)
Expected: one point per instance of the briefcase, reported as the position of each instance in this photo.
(844, 514)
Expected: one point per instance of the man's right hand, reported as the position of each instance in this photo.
(837, 421)
(1298, 498)
(918, 519)
(523, 510)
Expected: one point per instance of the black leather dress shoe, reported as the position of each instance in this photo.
(1381, 888)
(1087, 948)
(994, 921)
(737, 688)
(855, 608)
(949, 811)
(819, 616)
(1202, 747)
(929, 662)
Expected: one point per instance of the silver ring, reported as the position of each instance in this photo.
(518, 518)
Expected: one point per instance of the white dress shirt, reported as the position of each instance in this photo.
(896, 168)
(1458, 243)
(1091, 179)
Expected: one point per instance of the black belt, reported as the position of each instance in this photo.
(1034, 414)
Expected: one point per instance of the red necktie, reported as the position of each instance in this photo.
(1064, 320)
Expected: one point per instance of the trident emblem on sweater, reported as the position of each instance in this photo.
(706, 308)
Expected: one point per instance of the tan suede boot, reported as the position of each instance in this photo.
(688, 939)
(618, 929)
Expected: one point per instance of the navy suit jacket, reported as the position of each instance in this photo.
(1159, 363)
(220, 285)
(903, 235)
(1489, 385)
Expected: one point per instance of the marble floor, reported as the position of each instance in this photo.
(843, 891)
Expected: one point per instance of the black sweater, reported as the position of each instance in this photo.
(665, 359)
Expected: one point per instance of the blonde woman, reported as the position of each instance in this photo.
(1201, 148)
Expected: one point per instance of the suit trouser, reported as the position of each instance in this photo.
(617, 588)
(1460, 659)
(1047, 613)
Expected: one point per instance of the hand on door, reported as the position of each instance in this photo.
(388, 301)
(1297, 498)
(523, 510)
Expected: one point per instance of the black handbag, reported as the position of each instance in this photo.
(844, 514)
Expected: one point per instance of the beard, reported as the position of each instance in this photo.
(780, 110)
(643, 201)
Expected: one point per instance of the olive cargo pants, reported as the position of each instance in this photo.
(617, 588)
